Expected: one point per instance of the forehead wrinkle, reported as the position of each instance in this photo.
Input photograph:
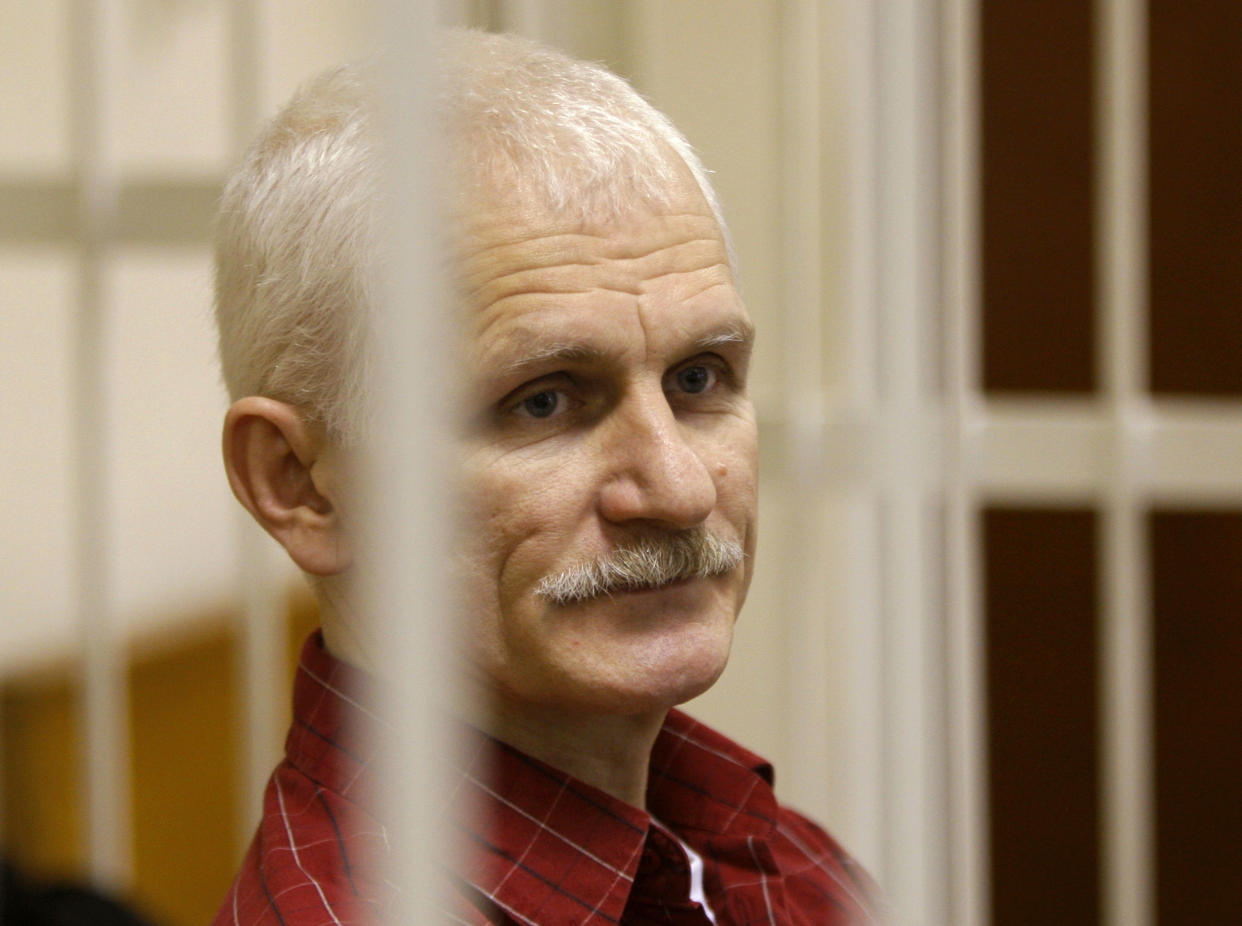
(715, 269)
(626, 237)
(495, 247)
(559, 280)
(714, 284)
(540, 252)
(490, 285)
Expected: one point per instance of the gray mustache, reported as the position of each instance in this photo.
(646, 562)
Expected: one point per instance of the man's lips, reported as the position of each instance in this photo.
(644, 589)
(637, 593)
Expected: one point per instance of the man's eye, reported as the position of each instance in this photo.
(695, 379)
(543, 404)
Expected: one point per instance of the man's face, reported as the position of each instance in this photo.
(607, 381)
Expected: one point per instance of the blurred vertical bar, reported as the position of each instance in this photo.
(407, 506)
(1126, 766)
(96, 38)
(967, 695)
(808, 691)
(525, 17)
(864, 609)
(908, 217)
(260, 612)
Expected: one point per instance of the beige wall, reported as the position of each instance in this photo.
(171, 531)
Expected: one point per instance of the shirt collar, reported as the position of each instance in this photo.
(546, 847)
(540, 845)
(702, 784)
(334, 722)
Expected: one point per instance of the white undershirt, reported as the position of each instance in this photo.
(697, 894)
(696, 881)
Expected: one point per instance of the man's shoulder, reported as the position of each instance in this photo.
(311, 861)
(806, 852)
(721, 792)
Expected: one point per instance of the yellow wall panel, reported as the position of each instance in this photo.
(186, 732)
(187, 728)
(43, 805)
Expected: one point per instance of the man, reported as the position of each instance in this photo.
(609, 465)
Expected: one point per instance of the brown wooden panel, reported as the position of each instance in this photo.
(186, 723)
(186, 741)
(1195, 54)
(1040, 600)
(1037, 176)
(303, 617)
(1197, 629)
(43, 803)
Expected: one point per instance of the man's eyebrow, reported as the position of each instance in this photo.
(551, 354)
(740, 332)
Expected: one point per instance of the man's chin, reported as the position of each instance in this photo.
(665, 680)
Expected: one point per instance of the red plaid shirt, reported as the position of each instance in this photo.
(546, 848)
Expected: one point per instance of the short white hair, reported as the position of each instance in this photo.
(296, 248)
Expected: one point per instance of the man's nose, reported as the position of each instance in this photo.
(654, 472)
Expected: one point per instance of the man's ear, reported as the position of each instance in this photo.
(285, 472)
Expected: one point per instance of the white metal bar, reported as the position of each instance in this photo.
(525, 17)
(407, 534)
(802, 283)
(96, 37)
(863, 766)
(1189, 453)
(846, 455)
(1053, 451)
(808, 693)
(263, 676)
(863, 128)
(1059, 452)
(261, 606)
(966, 694)
(462, 13)
(863, 609)
(1126, 768)
(906, 833)
(246, 57)
(908, 180)
(1193, 455)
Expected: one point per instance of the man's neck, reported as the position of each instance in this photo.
(609, 752)
(345, 635)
